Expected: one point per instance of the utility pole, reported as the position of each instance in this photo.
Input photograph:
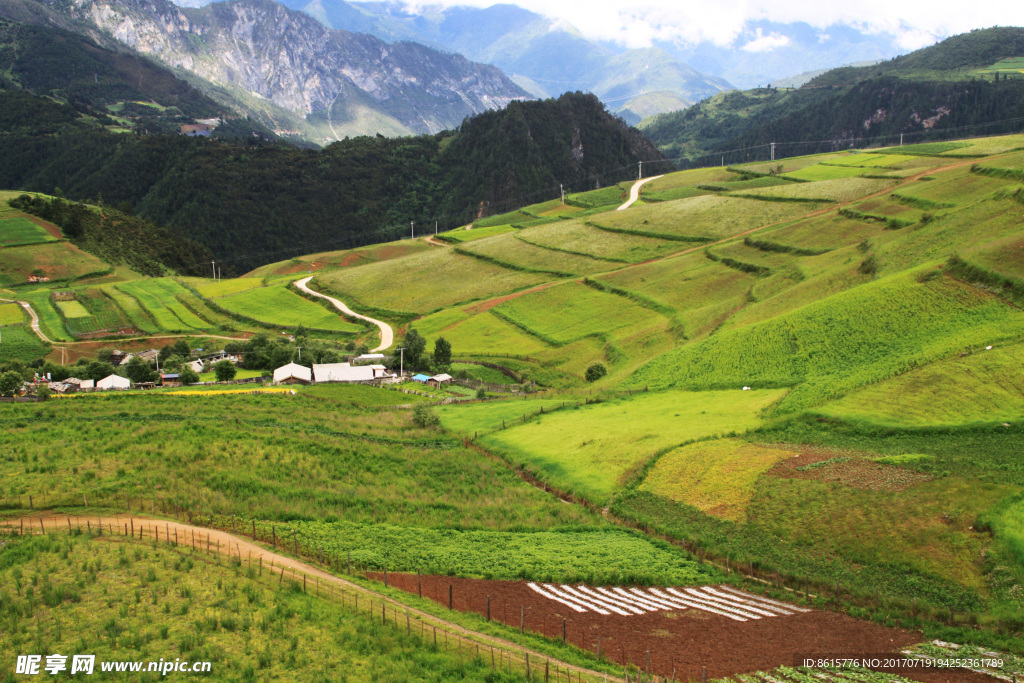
(401, 362)
(213, 264)
(901, 139)
(773, 151)
(435, 228)
(300, 351)
(640, 171)
(561, 190)
(412, 229)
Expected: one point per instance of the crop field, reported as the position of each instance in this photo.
(567, 312)
(1005, 257)
(707, 217)
(462, 235)
(285, 456)
(216, 289)
(989, 388)
(577, 236)
(50, 321)
(279, 306)
(138, 315)
(886, 207)
(716, 477)
(488, 417)
(869, 160)
(17, 230)
(142, 601)
(743, 254)
(58, 260)
(590, 450)
(344, 258)
(483, 373)
(518, 254)
(701, 290)
(958, 231)
(12, 314)
(842, 190)
(683, 192)
(823, 172)
(828, 231)
(958, 186)
(748, 184)
(831, 347)
(72, 309)
(986, 146)
(160, 303)
(479, 333)
(425, 282)
(791, 164)
(19, 342)
(691, 178)
(606, 196)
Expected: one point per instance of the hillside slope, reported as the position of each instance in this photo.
(942, 91)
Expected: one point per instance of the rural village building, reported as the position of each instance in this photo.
(438, 380)
(421, 378)
(114, 382)
(368, 358)
(196, 365)
(293, 373)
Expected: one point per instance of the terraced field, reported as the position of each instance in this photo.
(518, 254)
(12, 314)
(424, 283)
(577, 237)
(157, 297)
(277, 305)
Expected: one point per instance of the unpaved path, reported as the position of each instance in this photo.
(387, 335)
(238, 546)
(634, 192)
(436, 242)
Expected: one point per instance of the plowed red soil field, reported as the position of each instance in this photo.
(678, 640)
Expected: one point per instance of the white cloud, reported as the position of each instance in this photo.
(914, 23)
(765, 43)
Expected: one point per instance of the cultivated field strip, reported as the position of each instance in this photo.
(721, 600)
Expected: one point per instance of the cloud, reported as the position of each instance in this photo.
(639, 23)
(765, 43)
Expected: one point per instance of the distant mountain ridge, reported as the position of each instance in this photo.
(545, 56)
(952, 85)
(262, 57)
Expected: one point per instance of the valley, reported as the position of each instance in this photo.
(798, 380)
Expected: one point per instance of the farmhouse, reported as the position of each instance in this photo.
(196, 366)
(171, 379)
(114, 382)
(368, 358)
(293, 373)
(344, 372)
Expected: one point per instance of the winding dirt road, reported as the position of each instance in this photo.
(238, 546)
(634, 192)
(387, 335)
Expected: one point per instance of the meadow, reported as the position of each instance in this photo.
(57, 260)
(831, 347)
(707, 217)
(461, 235)
(19, 342)
(843, 190)
(50, 321)
(12, 314)
(577, 237)
(590, 450)
(424, 283)
(168, 313)
(317, 456)
(345, 258)
(482, 333)
(277, 305)
(989, 388)
(510, 251)
(131, 600)
(18, 230)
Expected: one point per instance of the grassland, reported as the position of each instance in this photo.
(50, 322)
(424, 283)
(989, 388)
(519, 254)
(167, 312)
(590, 450)
(345, 258)
(462, 235)
(18, 230)
(831, 190)
(19, 342)
(718, 477)
(481, 333)
(129, 600)
(829, 348)
(277, 305)
(577, 237)
(215, 289)
(707, 217)
(57, 260)
(12, 314)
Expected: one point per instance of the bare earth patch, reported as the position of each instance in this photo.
(845, 467)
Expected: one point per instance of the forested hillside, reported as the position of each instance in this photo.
(954, 88)
(257, 201)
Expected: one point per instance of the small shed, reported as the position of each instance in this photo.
(293, 373)
(421, 378)
(114, 382)
(171, 379)
(438, 380)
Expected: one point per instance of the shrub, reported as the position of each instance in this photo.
(224, 370)
(595, 372)
(424, 416)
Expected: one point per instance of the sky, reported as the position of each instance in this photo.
(638, 23)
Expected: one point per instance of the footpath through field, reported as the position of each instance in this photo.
(241, 547)
(387, 335)
(634, 192)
